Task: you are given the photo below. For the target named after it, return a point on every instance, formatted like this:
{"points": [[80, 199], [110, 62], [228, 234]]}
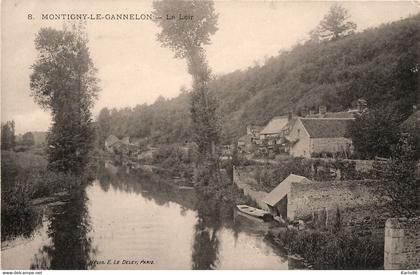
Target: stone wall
{"points": [[244, 180], [402, 244], [331, 145], [305, 199], [360, 165]]}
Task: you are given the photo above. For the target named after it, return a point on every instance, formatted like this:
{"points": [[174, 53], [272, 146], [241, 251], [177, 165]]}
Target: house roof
{"points": [[110, 140], [326, 127], [413, 121], [125, 140], [282, 189], [275, 126], [244, 138], [348, 114]]}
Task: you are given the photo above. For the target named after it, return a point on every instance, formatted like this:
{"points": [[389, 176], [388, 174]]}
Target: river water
{"points": [[128, 221]]}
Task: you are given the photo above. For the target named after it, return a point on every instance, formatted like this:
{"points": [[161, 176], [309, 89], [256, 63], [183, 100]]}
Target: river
{"points": [[126, 221]]}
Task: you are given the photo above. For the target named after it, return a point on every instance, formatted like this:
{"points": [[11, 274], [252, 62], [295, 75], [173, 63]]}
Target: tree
{"points": [[103, 126], [399, 180], [28, 139], [8, 135], [186, 39], [63, 81], [334, 25], [375, 132]]}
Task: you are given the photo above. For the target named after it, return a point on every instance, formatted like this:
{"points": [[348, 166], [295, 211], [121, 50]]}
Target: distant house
{"points": [[272, 137], [318, 136], [40, 138], [110, 142], [254, 131], [412, 122], [276, 200], [125, 140], [274, 128], [247, 143]]}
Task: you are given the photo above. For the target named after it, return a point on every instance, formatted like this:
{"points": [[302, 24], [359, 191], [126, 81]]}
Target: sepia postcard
{"points": [[210, 135]]}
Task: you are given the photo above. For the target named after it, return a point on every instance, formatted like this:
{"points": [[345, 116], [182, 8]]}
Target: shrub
{"points": [[24, 177], [17, 215], [342, 250]]}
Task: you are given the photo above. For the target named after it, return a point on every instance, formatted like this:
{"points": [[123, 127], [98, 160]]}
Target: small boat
{"points": [[255, 212]]}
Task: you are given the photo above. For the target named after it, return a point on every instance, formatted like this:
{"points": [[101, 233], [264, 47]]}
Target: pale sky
{"points": [[134, 69]]}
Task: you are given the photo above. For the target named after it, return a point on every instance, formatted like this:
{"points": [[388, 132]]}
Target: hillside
{"points": [[380, 65]]}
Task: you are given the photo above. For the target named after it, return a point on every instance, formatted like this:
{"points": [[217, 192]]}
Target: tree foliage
{"points": [[63, 81], [400, 181], [374, 132], [8, 135], [380, 65], [334, 25], [28, 139], [186, 39]]}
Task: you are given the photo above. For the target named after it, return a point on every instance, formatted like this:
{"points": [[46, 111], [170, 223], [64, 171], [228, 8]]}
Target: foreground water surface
{"points": [[126, 221]]}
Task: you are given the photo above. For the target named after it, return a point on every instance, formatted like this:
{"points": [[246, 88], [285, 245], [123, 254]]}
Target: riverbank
{"points": [[331, 249], [355, 232], [26, 184]]}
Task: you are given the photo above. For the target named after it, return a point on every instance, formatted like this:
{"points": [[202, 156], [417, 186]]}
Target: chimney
{"points": [[311, 112], [290, 116], [322, 109]]}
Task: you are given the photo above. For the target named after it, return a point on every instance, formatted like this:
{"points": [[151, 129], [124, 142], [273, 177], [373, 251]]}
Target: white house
{"points": [[317, 136]]}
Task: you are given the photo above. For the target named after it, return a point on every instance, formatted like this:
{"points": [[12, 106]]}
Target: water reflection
{"points": [[205, 249], [137, 216], [70, 245]]}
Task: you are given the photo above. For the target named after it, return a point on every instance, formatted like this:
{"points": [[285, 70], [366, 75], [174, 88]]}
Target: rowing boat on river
{"points": [[255, 212]]}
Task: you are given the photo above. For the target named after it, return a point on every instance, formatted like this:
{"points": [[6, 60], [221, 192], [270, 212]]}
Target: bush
{"points": [[17, 215], [24, 177], [327, 250], [174, 161]]}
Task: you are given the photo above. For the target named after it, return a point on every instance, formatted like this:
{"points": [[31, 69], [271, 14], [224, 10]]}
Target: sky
{"points": [[132, 66]]}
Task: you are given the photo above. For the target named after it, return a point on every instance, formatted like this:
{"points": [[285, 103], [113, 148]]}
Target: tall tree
{"points": [[399, 180], [103, 126], [187, 38], [63, 81], [8, 135], [334, 25]]}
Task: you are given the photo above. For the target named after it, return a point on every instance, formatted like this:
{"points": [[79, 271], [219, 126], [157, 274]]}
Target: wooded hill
{"points": [[380, 65]]}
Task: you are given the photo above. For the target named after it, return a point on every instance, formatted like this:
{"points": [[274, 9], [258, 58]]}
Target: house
{"points": [[272, 137], [110, 142], [274, 128], [254, 132], [125, 140], [276, 200], [248, 142], [40, 138], [322, 111], [319, 136], [412, 122]]}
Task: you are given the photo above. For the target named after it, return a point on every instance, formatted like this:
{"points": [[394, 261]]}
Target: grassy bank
{"points": [[344, 249], [24, 177]]}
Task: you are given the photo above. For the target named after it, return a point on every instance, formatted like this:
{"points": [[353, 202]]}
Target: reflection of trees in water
{"points": [[147, 185], [68, 231], [205, 254], [212, 213]]}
